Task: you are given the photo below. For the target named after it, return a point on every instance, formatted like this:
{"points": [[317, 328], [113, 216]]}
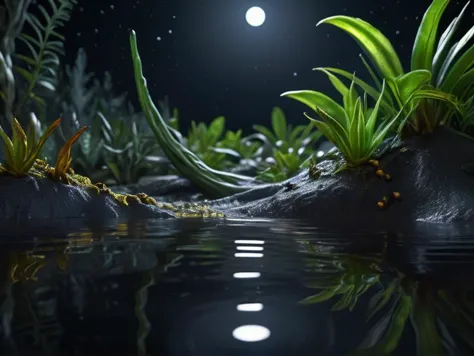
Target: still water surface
{"points": [[237, 287]]}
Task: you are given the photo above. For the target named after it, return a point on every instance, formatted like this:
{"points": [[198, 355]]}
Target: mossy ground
{"points": [[42, 170]]}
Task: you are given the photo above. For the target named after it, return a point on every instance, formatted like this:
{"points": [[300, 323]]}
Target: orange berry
{"points": [[396, 195], [379, 172]]}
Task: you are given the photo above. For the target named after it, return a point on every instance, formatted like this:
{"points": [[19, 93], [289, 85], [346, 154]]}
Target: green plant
{"points": [[39, 69], [353, 127], [205, 142], [213, 182], [282, 166], [443, 77], [291, 147], [12, 17], [286, 137], [246, 147], [400, 302], [22, 150], [129, 153]]}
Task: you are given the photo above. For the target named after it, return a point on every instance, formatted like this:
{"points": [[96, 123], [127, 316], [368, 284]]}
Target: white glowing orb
{"points": [[255, 16], [251, 333]]}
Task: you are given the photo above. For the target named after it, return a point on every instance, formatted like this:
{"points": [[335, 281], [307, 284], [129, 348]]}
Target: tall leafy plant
{"points": [[45, 44], [353, 127], [440, 71]]}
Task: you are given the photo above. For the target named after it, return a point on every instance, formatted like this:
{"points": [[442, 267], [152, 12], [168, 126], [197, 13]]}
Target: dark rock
{"points": [[32, 199], [426, 171], [170, 186]]}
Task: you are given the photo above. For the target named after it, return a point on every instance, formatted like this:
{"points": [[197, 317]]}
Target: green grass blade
{"points": [[334, 131], [386, 103], [279, 124], [315, 100], [336, 82], [354, 134], [444, 42], [424, 47], [369, 128], [375, 44], [374, 76], [449, 75], [464, 84]]}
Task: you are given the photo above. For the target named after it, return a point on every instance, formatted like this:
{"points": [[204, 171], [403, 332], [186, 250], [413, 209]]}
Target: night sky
{"points": [[204, 56]]}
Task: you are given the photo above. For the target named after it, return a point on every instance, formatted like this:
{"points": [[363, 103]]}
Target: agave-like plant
{"points": [[214, 182], [352, 128], [444, 72], [22, 150]]}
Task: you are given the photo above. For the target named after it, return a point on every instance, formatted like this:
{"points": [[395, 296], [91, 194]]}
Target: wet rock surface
{"points": [[431, 174], [427, 172], [29, 198]]}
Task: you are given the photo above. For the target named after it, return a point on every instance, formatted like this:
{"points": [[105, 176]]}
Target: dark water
{"points": [[192, 287]]}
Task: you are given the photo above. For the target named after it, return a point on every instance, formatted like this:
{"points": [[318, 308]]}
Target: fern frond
{"points": [[45, 46]]}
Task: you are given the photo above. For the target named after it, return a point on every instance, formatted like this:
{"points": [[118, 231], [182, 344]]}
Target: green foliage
{"points": [[213, 182], [399, 302], [285, 137], [22, 150], [129, 153], [204, 141], [441, 76], [247, 148], [352, 128], [282, 167], [291, 147], [45, 45]]}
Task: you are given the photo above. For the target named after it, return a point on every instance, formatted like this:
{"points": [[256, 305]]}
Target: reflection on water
{"points": [[236, 287]]}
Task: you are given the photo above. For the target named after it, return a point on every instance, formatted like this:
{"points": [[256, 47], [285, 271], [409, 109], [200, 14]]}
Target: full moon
{"points": [[255, 16]]}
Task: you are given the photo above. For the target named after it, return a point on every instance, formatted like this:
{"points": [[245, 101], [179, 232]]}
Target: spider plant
{"points": [[22, 150], [352, 128], [441, 69]]}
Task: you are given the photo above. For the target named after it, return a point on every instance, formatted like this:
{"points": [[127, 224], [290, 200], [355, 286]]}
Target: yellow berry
{"points": [[374, 162], [379, 172], [388, 177], [380, 204], [396, 195]]}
